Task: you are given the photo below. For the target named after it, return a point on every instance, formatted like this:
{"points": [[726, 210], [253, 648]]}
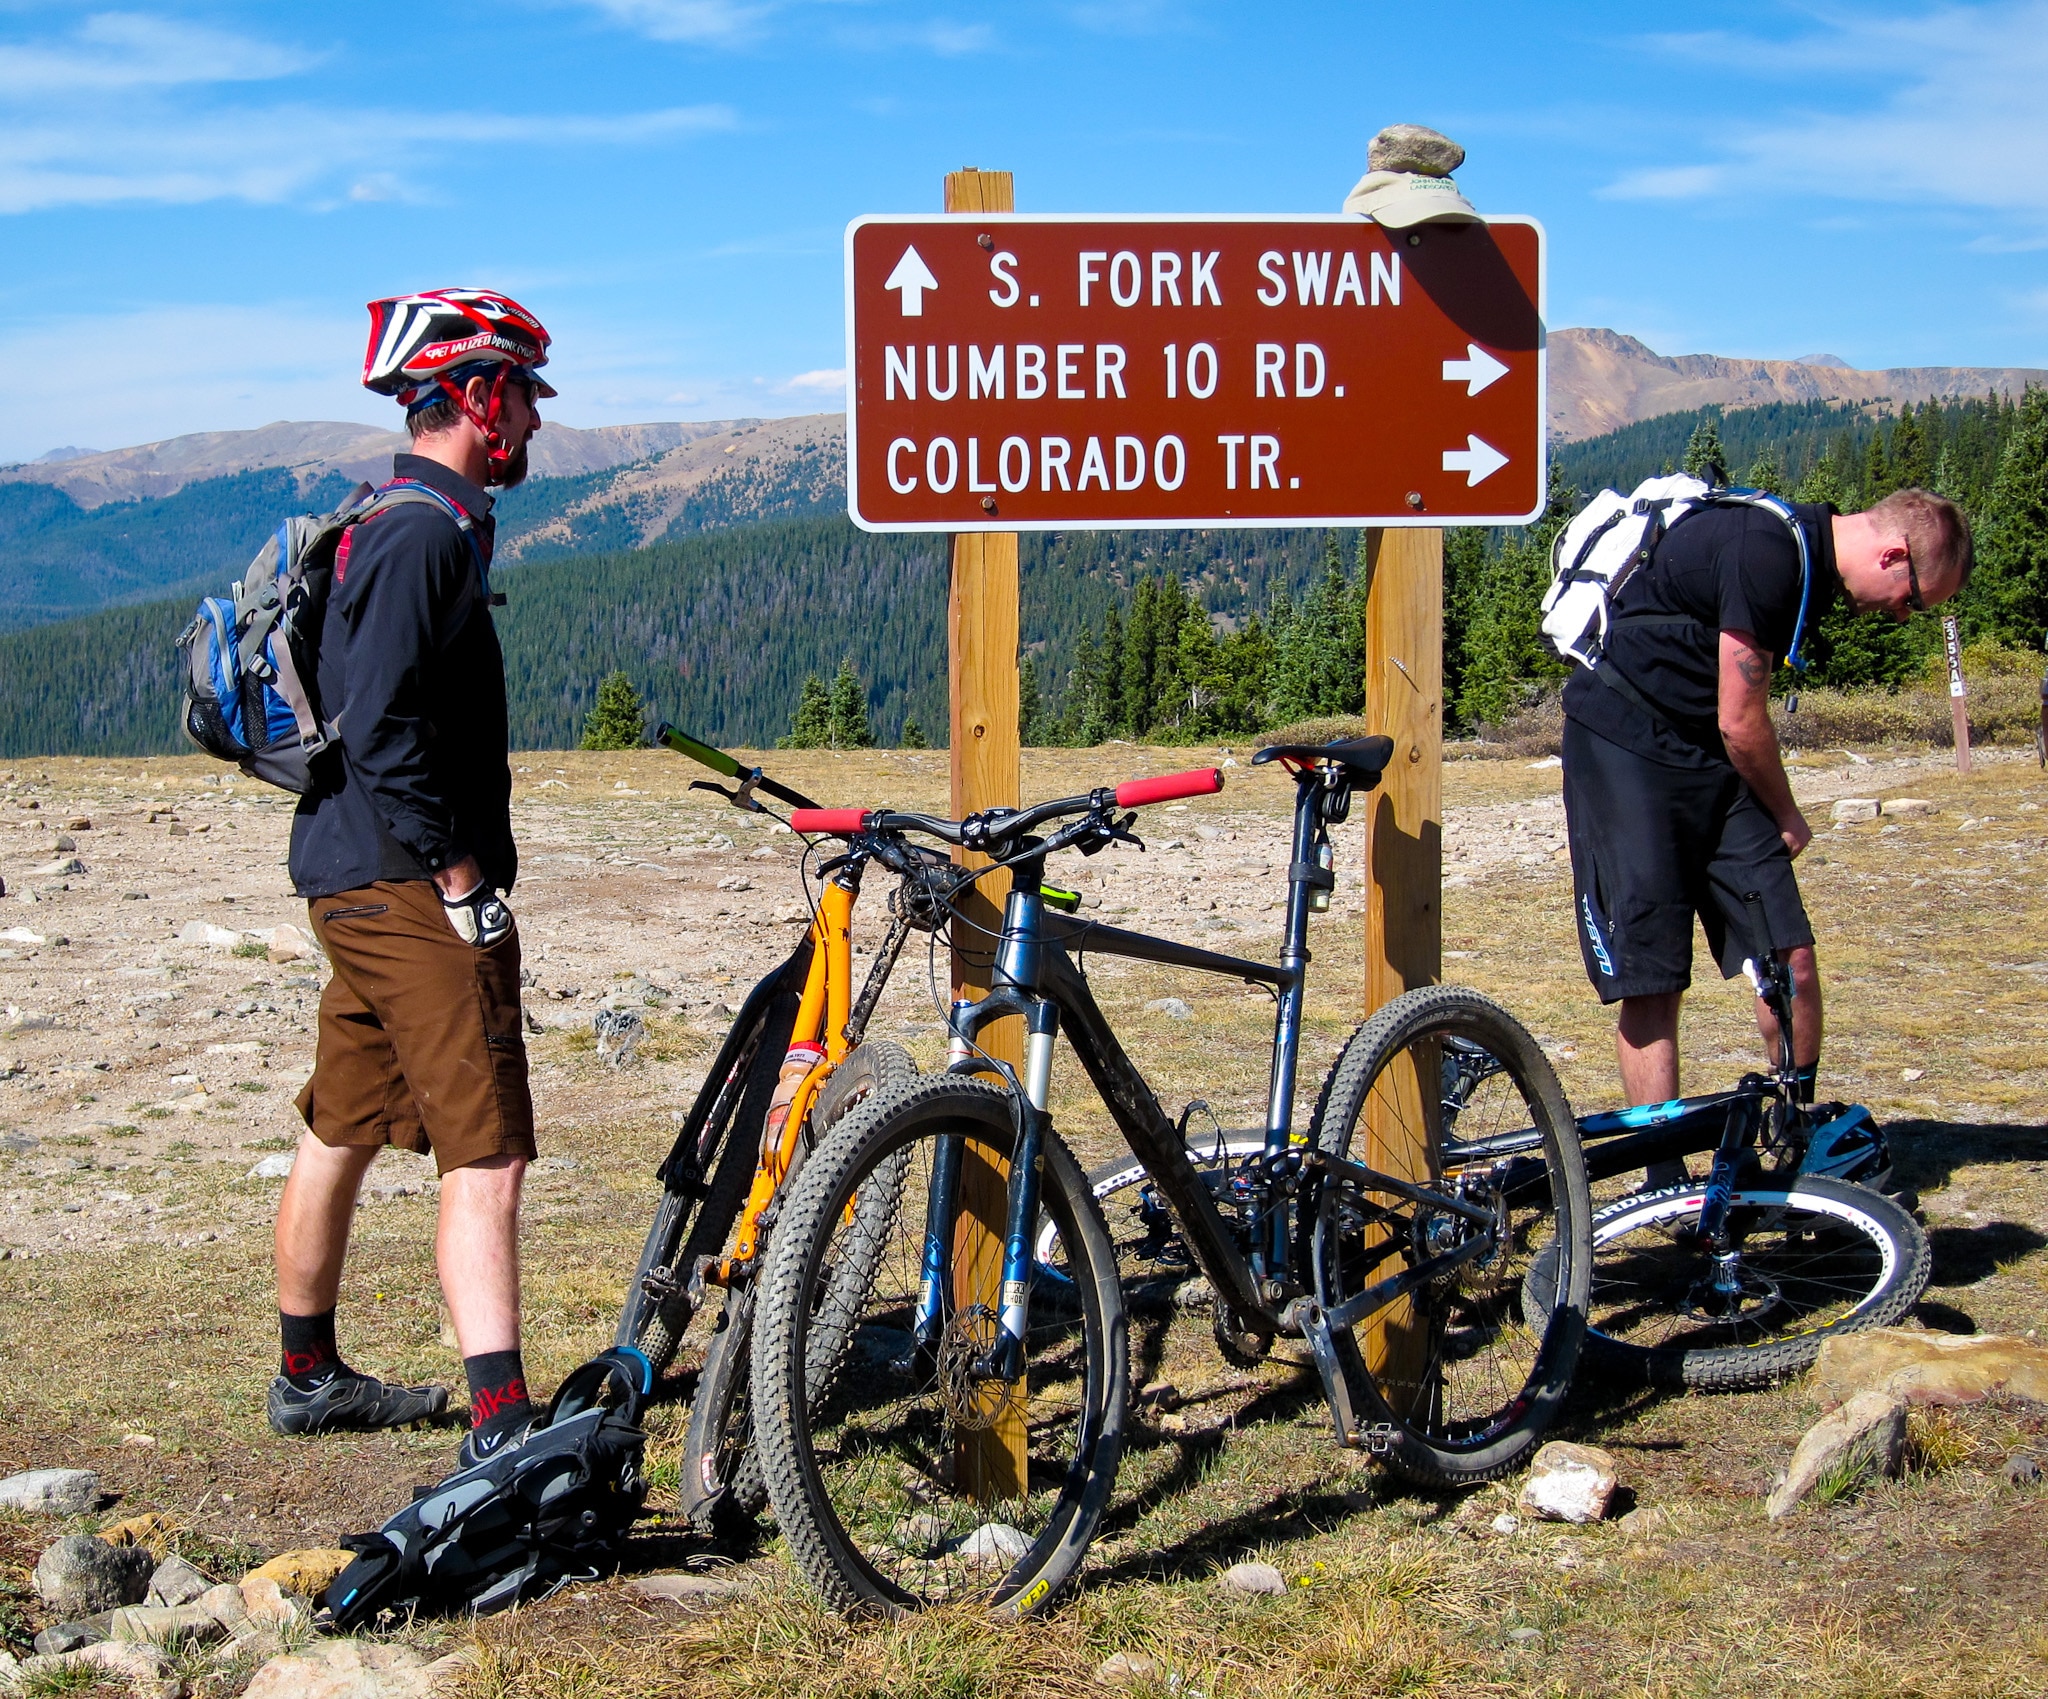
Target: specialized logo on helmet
{"points": [[1600, 955], [415, 340]]}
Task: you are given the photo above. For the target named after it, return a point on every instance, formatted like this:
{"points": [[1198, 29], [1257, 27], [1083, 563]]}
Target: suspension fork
{"points": [[1737, 1134]]}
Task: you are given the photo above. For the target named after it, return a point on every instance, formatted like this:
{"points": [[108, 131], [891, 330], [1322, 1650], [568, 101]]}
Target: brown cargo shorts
{"points": [[419, 1042]]}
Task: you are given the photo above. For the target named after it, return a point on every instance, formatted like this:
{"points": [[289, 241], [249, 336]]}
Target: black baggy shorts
{"points": [[1652, 846]]}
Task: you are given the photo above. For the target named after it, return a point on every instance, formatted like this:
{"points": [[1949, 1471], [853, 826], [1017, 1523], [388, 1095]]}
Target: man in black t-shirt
{"points": [[1675, 798]]}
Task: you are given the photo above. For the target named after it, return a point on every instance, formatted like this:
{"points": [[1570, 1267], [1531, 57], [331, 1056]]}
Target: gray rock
{"points": [[80, 1575], [175, 1582], [920, 1535], [58, 869], [1130, 1669], [1415, 148], [50, 1492], [69, 1636], [1171, 1007], [1871, 1428], [358, 1669], [995, 1542], [1852, 808], [2022, 1471], [618, 1033], [685, 1589], [1254, 1578], [1525, 1636], [160, 1625], [274, 1167]]}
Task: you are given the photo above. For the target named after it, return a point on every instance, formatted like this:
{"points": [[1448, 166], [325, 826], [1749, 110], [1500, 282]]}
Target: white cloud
{"points": [[1676, 183], [282, 153], [117, 51], [1954, 121], [718, 21], [828, 381]]}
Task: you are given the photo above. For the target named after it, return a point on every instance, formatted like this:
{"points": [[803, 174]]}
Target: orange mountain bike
{"points": [[795, 1061]]}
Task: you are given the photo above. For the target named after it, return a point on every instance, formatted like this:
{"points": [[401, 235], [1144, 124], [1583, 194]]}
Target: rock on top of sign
{"points": [[1414, 148]]}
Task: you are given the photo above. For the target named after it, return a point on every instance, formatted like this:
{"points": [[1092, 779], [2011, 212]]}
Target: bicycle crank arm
{"points": [[1309, 1319]]}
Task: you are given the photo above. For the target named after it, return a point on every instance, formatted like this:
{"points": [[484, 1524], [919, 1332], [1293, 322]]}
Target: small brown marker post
{"points": [[1958, 696]]}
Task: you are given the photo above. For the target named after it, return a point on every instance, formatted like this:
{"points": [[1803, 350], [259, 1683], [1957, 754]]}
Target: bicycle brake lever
{"points": [[743, 797]]}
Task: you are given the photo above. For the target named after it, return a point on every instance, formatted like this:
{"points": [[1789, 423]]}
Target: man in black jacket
{"points": [[1675, 799], [402, 849]]}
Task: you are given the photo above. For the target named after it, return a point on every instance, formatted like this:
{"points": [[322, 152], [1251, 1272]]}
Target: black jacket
{"points": [[412, 677]]}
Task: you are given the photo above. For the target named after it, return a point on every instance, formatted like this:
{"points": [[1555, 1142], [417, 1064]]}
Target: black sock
{"points": [[497, 1390], [1807, 1077], [310, 1357]]}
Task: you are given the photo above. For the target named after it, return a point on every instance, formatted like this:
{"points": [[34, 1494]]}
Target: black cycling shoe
{"points": [[480, 1445], [351, 1403]]}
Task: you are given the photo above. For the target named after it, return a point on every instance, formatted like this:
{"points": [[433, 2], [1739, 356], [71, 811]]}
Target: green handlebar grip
{"points": [[684, 744], [1067, 902]]}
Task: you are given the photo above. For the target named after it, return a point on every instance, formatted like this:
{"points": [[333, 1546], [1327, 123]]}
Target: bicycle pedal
{"points": [[1377, 1439]]}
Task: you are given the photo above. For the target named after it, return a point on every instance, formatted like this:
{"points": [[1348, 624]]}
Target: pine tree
{"points": [[618, 720], [1031, 716], [1878, 481], [1704, 455], [1464, 567], [1765, 473], [1504, 662], [1910, 466], [1823, 483], [913, 734], [811, 726], [847, 711], [2008, 597]]}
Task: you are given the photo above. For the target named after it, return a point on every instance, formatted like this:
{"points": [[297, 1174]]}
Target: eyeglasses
{"points": [[1914, 599]]}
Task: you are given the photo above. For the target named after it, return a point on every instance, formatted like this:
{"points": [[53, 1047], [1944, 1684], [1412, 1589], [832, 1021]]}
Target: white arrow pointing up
{"points": [[1477, 460], [913, 277], [1475, 371]]}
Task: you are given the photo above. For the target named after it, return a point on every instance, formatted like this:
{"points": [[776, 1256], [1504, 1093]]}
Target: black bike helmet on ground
{"points": [[425, 348]]}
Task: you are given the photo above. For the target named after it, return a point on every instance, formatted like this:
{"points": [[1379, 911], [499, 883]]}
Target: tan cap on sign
{"points": [[1398, 199]]}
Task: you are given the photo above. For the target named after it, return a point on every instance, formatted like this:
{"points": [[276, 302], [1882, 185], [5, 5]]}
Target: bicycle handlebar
{"points": [[751, 778], [1201, 781], [835, 822], [998, 826]]}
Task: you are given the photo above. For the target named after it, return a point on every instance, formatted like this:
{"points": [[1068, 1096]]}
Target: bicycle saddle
{"points": [[1366, 757]]}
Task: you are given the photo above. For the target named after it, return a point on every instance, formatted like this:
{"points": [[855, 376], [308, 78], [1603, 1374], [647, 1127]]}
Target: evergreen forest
{"points": [[1183, 636]]}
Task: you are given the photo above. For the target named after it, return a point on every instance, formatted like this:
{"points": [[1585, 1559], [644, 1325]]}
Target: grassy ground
{"points": [[145, 1358]]}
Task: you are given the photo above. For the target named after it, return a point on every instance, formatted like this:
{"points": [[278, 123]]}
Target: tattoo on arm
{"points": [[1755, 669]]}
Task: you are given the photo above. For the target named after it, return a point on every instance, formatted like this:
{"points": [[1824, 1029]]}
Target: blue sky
{"points": [[195, 200]]}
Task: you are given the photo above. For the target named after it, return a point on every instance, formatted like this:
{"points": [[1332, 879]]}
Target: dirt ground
{"points": [[145, 1072]]}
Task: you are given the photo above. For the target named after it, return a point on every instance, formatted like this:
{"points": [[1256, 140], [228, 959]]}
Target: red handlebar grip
{"points": [[840, 822], [1135, 793]]}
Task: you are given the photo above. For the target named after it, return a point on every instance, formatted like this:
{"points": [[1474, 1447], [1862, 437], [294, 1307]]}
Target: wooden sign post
{"points": [[982, 677], [1404, 689]]}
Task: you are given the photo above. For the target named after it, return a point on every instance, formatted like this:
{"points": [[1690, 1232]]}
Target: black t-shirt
{"points": [[1721, 569]]}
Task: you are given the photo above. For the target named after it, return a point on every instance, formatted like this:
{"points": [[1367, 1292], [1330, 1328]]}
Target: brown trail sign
{"points": [[1015, 372]]}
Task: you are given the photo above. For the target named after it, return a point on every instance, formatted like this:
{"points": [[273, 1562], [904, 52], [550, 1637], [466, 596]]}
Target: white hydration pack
{"points": [[1614, 534]]}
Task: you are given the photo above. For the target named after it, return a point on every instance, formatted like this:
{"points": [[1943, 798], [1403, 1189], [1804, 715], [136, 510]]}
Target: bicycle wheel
{"points": [[1817, 1257], [686, 1228], [722, 1490], [1458, 1382], [900, 1486]]}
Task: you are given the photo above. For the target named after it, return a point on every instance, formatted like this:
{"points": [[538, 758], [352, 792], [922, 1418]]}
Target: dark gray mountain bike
{"points": [[970, 1445]]}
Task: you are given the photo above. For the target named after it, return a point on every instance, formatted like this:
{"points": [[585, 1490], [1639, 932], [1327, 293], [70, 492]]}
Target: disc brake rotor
{"points": [[975, 1401]]}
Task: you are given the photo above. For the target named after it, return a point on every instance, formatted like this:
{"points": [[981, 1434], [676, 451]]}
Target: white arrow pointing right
{"points": [[913, 277], [1475, 371], [1477, 460]]}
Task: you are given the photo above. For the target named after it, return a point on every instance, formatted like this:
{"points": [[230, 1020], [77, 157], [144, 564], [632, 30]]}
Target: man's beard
{"points": [[511, 470]]}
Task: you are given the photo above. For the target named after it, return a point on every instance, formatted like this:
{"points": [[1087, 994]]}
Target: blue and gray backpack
{"points": [[250, 659]]}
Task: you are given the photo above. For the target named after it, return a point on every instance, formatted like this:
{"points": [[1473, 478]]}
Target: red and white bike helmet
{"points": [[425, 348]]}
